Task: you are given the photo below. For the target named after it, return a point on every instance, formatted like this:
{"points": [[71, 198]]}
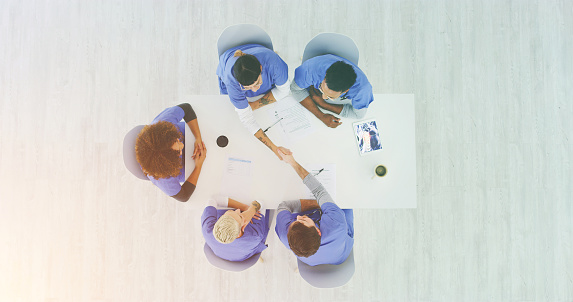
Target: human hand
{"points": [[288, 158], [202, 154], [282, 150], [257, 216], [330, 120], [199, 146]]}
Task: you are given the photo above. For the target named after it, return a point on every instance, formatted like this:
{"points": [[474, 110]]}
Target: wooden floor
{"points": [[493, 82]]}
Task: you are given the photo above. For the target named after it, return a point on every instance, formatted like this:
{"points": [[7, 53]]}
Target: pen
{"points": [[273, 124], [319, 172]]}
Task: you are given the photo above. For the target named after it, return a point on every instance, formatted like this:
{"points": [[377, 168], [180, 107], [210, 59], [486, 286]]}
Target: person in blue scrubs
{"points": [[253, 76], [334, 84], [160, 151], [317, 231], [233, 234]]}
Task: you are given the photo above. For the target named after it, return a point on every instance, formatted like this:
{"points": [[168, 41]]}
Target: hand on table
{"points": [[201, 154], [330, 120], [199, 146]]}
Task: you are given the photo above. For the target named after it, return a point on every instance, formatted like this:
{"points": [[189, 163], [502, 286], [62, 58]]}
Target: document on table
{"points": [[326, 175], [237, 179], [294, 119]]}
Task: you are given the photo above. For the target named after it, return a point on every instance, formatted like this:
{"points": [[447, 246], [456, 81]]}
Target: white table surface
{"points": [[275, 181]]}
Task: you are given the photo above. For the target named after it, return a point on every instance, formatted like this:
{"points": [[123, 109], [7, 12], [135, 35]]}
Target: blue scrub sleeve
{"points": [[208, 220]]}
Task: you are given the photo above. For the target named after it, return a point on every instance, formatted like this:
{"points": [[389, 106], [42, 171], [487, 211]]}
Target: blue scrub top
{"points": [[337, 235], [171, 186], [252, 242], [274, 73], [313, 71]]}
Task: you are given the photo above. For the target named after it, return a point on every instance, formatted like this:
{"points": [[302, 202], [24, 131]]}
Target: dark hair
{"points": [[153, 150], [303, 241], [247, 68], [340, 76]]}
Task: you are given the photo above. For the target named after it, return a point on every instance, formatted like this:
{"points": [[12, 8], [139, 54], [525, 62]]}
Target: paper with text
{"points": [[237, 178], [295, 121], [326, 175]]}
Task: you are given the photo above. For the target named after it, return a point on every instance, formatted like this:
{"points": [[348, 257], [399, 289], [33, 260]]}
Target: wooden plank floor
{"points": [[493, 82]]}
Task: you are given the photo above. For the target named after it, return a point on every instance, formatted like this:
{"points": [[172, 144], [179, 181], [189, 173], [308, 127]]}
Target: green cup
{"points": [[380, 171]]}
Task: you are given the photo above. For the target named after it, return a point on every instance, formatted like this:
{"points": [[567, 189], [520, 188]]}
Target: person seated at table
{"points": [[160, 151], [231, 236], [333, 84], [248, 71], [316, 230]]}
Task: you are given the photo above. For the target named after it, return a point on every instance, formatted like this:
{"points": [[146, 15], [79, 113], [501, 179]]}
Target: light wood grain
{"points": [[493, 83]]}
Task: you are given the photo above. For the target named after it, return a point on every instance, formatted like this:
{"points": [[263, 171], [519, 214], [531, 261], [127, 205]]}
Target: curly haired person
{"points": [[160, 149]]}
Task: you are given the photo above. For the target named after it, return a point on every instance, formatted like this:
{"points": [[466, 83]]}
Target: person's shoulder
{"points": [[333, 211], [330, 206]]}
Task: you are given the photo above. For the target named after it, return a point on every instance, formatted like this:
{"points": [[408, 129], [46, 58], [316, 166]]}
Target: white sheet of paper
{"points": [[295, 121], [327, 178], [237, 178]]}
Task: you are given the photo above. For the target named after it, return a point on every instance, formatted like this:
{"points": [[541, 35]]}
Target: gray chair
{"points": [[241, 34], [129, 153], [332, 43], [233, 266], [328, 275]]}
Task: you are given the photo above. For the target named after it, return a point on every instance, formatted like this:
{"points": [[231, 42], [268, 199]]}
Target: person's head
{"points": [[247, 71], [303, 237], [229, 227], [339, 78], [157, 150]]}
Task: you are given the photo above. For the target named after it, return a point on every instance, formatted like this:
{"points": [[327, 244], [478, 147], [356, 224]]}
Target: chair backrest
{"points": [[332, 43], [234, 266], [129, 153], [328, 275], [241, 34]]}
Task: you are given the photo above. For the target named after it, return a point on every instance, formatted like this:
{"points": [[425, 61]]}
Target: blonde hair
{"points": [[226, 229], [239, 53]]}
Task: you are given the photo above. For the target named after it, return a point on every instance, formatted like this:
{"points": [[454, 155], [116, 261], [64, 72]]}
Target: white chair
{"points": [[332, 43], [328, 275], [241, 34], [234, 266], [129, 153]]}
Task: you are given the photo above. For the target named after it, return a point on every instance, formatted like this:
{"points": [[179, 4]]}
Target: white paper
{"points": [[327, 177], [237, 178], [294, 119]]}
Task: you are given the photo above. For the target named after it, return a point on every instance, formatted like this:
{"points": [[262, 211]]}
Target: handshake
{"points": [[285, 155]]}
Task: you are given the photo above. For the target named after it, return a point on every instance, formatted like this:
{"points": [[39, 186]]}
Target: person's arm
{"points": [[281, 91], [247, 118], [237, 205], [265, 100], [317, 190], [288, 158], [309, 180], [350, 112], [293, 206], [267, 141], [316, 96], [308, 204], [191, 120], [328, 119], [190, 184]]}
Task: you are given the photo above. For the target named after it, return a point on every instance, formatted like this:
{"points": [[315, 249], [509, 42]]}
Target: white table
{"points": [[275, 181]]}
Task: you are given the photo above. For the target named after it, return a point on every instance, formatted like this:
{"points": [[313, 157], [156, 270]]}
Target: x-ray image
{"points": [[367, 136]]}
